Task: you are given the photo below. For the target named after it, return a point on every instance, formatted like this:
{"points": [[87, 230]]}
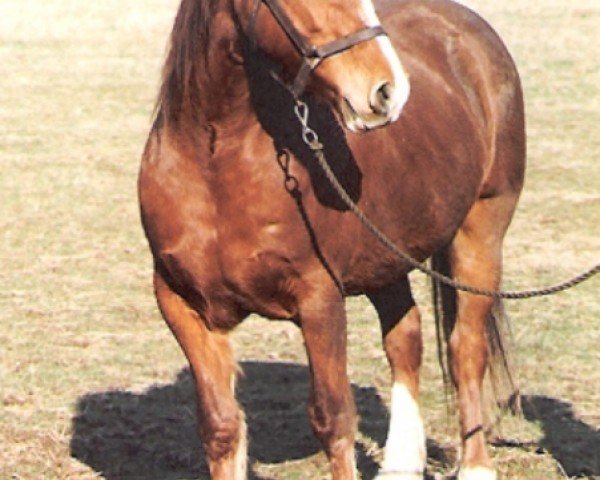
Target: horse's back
{"points": [[405, 19]]}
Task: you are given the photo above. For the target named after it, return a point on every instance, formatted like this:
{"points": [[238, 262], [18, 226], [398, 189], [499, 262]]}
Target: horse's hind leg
{"points": [[331, 406], [405, 452], [475, 257], [221, 422]]}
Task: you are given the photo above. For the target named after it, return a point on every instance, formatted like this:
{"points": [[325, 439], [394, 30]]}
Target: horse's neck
{"points": [[220, 111], [225, 96], [237, 99], [242, 100]]}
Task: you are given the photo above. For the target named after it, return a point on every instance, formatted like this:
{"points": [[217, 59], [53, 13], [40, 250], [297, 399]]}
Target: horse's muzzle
{"points": [[385, 102]]}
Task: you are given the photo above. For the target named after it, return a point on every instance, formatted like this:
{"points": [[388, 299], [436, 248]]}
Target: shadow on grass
{"points": [[152, 435], [573, 443]]}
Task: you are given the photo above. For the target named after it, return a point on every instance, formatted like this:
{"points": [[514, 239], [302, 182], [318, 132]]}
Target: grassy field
{"points": [[92, 385]]}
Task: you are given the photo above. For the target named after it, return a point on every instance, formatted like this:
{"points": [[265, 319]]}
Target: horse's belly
{"points": [[374, 265]]}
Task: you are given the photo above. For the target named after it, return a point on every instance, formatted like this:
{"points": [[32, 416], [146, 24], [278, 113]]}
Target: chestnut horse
{"points": [[240, 218]]}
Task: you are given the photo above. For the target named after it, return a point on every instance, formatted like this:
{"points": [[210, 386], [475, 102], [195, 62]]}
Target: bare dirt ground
{"points": [[92, 385]]}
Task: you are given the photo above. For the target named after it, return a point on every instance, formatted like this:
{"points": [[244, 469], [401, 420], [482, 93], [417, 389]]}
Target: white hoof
{"points": [[398, 476], [476, 473]]}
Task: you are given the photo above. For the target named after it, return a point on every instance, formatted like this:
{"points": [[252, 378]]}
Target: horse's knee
{"points": [[222, 434], [225, 444], [334, 424], [333, 419]]}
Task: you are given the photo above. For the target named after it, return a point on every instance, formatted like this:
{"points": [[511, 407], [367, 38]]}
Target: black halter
{"points": [[312, 55]]}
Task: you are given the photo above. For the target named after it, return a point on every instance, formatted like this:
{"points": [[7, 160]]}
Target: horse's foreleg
{"points": [[475, 258], [331, 406], [221, 422], [405, 452]]}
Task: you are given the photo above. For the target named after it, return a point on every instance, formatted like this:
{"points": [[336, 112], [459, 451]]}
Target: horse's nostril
{"points": [[385, 91], [381, 98]]}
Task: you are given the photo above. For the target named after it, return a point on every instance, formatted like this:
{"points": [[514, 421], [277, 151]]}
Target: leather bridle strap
{"points": [[312, 55]]}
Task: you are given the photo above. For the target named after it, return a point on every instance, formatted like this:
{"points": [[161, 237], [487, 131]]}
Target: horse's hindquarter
{"points": [[447, 46]]}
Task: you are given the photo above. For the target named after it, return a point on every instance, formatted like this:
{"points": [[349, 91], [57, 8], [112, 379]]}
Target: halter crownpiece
{"points": [[311, 55]]}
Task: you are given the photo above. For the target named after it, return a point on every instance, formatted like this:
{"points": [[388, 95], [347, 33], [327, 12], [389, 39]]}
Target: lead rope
{"points": [[311, 139]]}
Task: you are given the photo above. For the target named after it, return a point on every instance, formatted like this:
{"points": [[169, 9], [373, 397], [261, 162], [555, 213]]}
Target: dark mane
{"points": [[179, 91]]}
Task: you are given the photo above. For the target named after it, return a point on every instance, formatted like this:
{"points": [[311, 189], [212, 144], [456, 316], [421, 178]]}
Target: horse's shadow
{"points": [[573, 443], [152, 435]]}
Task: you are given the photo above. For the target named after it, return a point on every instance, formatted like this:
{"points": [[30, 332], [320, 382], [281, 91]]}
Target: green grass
{"points": [[89, 370]]}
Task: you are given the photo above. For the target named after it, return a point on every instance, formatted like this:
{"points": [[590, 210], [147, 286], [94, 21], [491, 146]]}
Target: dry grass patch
{"points": [[91, 381]]}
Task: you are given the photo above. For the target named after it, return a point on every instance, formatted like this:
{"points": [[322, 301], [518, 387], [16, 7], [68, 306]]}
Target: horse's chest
{"points": [[243, 255]]}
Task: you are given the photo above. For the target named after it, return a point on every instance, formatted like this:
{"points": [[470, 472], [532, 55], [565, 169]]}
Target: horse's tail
{"points": [[501, 380]]}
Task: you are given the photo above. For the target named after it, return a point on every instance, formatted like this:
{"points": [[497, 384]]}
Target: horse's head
{"points": [[359, 74]]}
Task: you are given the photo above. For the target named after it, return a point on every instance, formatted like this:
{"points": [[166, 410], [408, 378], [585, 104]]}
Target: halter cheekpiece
{"points": [[311, 55]]}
